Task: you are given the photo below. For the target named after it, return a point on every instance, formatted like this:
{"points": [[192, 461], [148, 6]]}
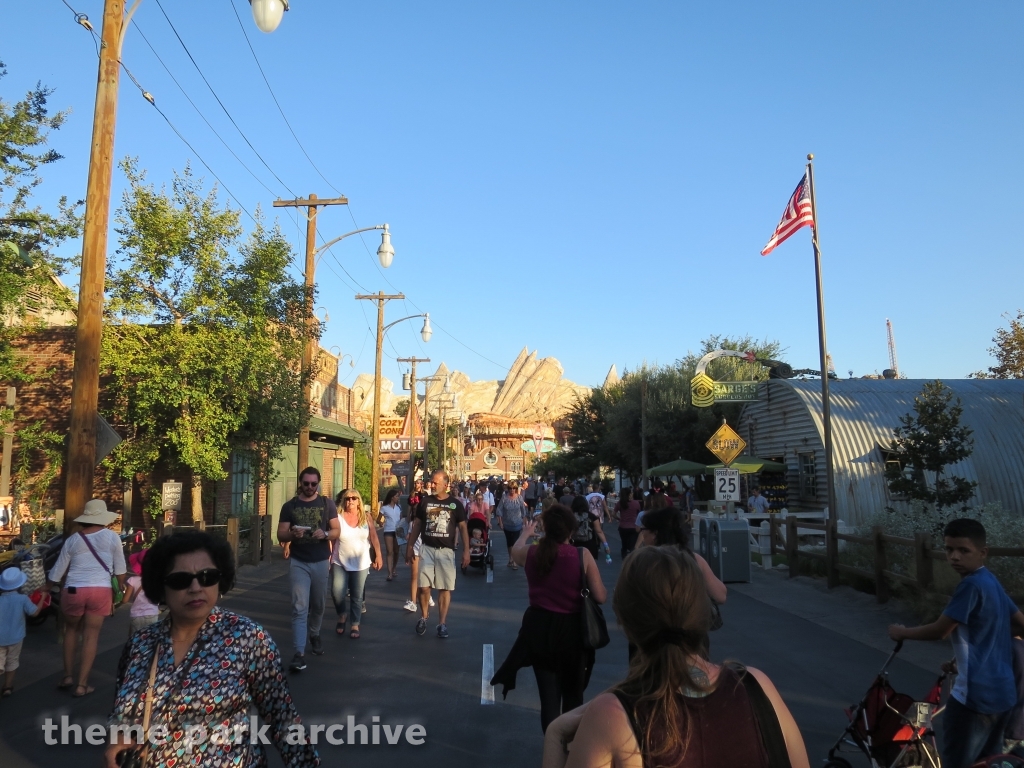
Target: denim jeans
{"points": [[309, 596], [968, 736], [350, 585]]}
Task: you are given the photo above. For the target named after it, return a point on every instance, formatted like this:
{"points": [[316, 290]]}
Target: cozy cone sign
{"points": [[395, 433]]}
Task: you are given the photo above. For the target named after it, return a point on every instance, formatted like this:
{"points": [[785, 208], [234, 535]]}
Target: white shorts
{"points": [[437, 568], [9, 656]]}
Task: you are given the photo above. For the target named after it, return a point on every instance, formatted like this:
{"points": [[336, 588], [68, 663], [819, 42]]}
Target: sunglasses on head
{"points": [[180, 580]]}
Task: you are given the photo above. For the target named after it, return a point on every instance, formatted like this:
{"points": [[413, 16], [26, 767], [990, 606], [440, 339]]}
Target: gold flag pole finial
{"points": [[810, 155]]}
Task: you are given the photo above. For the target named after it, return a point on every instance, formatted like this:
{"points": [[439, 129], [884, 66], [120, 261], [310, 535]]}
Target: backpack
{"points": [[584, 529], [595, 507]]}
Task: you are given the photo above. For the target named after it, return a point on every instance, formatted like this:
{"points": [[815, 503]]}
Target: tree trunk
{"points": [[197, 497]]}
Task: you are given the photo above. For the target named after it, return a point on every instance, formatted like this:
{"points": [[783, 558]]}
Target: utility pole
{"points": [[5, 468], [643, 431], [413, 406], [381, 299], [311, 203], [85, 389], [426, 421]]}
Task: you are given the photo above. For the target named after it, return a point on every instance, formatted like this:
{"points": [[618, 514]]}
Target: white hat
{"points": [[96, 513], [12, 578]]}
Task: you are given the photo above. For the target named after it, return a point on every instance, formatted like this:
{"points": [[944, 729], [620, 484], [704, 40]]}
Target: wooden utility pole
{"points": [[85, 389], [381, 299], [5, 468], [414, 406], [311, 203]]}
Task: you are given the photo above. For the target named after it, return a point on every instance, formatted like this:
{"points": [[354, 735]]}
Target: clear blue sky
{"points": [[595, 180]]}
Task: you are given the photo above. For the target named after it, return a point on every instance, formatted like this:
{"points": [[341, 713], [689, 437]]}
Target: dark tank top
{"points": [[721, 729]]}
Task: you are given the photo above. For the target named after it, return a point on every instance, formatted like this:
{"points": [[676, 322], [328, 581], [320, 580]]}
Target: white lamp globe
{"points": [[385, 253], [427, 331], [268, 13]]}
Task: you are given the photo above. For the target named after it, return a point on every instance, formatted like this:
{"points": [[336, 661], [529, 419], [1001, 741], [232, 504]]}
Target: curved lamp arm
{"points": [[385, 252], [426, 332]]}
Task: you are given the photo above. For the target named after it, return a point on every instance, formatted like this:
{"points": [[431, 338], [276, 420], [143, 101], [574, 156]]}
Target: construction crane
{"points": [[893, 372]]}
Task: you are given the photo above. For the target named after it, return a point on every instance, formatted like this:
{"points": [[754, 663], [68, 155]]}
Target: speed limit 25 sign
{"points": [[727, 485]]}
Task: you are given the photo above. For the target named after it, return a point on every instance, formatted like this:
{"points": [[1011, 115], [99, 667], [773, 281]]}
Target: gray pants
{"points": [[309, 596]]}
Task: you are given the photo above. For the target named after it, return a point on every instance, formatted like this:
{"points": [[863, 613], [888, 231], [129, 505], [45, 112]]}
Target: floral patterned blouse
{"points": [[233, 666]]}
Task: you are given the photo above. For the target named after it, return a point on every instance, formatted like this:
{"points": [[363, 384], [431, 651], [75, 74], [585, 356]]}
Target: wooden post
{"points": [[831, 552], [881, 584], [255, 531], [773, 535], [233, 537], [268, 542], [200, 525], [922, 559], [25, 533], [792, 544], [5, 468]]}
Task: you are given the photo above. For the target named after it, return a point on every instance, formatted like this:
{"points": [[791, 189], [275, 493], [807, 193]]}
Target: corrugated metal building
{"points": [[785, 424]]}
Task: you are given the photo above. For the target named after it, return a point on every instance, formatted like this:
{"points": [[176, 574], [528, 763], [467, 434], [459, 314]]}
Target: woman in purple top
{"points": [[551, 637], [628, 509]]}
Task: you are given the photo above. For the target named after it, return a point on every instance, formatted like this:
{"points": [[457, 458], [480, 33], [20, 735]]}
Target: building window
{"points": [[242, 495], [469, 466], [516, 466], [808, 476], [339, 475]]}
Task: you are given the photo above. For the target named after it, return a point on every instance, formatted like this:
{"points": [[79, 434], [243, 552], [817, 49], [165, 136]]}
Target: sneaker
{"points": [[442, 631], [315, 645], [421, 627], [432, 603], [365, 608], [298, 663], [410, 606]]}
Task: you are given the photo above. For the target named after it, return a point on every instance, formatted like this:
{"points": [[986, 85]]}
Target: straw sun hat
{"points": [[96, 513]]}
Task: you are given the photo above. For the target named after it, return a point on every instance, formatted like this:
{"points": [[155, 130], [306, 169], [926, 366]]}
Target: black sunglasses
{"points": [[314, 484], [180, 580]]}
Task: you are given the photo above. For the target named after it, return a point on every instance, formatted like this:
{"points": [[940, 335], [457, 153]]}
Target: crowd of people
{"points": [[676, 707]]}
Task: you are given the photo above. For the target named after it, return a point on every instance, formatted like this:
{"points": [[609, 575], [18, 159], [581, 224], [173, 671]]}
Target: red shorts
{"points": [[87, 601]]}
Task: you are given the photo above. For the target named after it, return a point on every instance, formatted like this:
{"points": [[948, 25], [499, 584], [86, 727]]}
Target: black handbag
{"points": [[595, 628], [716, 616]]}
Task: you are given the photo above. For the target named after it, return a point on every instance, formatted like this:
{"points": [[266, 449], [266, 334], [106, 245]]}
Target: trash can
{"points": [[729, 549]]}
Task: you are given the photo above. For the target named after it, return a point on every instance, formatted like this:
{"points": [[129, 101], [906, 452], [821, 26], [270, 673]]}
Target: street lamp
{"points": [[268, 13], [426, 332]]}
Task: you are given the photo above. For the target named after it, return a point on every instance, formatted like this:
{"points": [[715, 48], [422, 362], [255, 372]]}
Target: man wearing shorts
{"points": [[437, 518]]}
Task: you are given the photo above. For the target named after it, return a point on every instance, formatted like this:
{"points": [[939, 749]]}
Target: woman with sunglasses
{"points": [[391, 510], [351, 562], [202, 665]]}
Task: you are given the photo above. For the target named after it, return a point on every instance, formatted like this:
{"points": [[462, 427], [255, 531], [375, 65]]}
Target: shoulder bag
{"points": [[595, 628], [767, 723], [137, 757], [115, 585]]}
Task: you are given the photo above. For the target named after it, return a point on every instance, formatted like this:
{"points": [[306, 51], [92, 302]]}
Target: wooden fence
{"points": [[883, 578], [251, 545]]}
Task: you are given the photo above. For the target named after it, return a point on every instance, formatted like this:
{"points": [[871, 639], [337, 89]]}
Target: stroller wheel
{"points": [[837, 762]]}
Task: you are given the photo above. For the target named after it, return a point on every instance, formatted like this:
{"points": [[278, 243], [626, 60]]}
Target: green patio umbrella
{"points": [[677, 467], [751, 465]]}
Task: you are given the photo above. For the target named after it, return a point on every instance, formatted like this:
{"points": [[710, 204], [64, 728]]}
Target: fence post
{"points": [[268, 542], [792, 551], [773, 528], [831, 553], [233, 537], [255, 535], [881, 584], [200, 525], [922, 556], [764, 543]]}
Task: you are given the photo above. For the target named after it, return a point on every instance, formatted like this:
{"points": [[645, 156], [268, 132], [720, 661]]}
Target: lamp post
{"points": [[381, 298]]}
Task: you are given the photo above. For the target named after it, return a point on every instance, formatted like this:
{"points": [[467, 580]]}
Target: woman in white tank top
{"points": [[350, 560]]}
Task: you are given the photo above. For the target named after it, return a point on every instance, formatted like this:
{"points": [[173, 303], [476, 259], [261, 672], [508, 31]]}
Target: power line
{"points": [[221, 103]]}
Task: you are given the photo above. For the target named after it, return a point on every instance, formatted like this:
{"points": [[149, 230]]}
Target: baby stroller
{"points": [[891, 729], [479, 549]]}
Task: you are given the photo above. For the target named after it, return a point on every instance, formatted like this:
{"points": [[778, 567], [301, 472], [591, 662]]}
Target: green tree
{"points": [[204, 335], [929, 440], [362, 465], [1008, 352]]}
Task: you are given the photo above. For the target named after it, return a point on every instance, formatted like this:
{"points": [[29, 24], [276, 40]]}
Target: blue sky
{"points": [[595, 180]]}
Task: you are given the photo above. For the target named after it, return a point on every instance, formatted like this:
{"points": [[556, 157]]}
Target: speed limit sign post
{"points": [[727, 485]]}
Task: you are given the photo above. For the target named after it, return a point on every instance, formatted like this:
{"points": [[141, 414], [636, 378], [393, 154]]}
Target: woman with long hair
{"points": [[391, 510], [627, 510], [666, 527], [350, 561], [676, 708], [588, 533], [551, 636], [479, 507], [511, 512]]}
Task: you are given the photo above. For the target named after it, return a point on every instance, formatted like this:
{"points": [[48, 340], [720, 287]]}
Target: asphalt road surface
{"points": [[405, 679]]}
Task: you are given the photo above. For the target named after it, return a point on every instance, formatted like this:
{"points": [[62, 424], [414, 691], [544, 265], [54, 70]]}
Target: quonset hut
{"points": [[785, 425]]}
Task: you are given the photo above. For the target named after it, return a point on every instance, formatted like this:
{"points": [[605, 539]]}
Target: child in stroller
{"points": [[479, 542]]}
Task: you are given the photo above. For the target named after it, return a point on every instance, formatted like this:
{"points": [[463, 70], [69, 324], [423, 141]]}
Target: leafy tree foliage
{"points": [[1008, 352], [204, 335], [605, 426], [928, 441]]}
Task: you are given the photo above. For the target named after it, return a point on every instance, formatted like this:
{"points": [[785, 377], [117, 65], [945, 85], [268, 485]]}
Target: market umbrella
{"points": [[751, 465], [677, 467]]}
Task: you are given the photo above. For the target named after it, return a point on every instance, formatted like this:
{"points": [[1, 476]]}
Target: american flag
{"points": [[797, 214]]}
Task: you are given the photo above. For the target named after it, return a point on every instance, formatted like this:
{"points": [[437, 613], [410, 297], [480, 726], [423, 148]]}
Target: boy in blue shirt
{"points": [[14, 607], [982, 620]]}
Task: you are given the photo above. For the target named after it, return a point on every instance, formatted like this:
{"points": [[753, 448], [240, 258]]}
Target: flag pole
{"points": [[831, 544]]}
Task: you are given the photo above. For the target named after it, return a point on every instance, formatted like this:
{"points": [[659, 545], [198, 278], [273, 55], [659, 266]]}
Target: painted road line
{"points": [[490, 575], [486, 689]]}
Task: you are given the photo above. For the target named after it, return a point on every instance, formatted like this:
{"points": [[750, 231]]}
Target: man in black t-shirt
{"points": [[310, 522], [437, 518]]}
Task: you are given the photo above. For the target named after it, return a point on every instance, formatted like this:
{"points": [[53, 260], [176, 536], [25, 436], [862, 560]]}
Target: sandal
{"points": [[354, 634], [85, 691], [390, 577], [6, 692], [340, 627], [67, 682]]}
